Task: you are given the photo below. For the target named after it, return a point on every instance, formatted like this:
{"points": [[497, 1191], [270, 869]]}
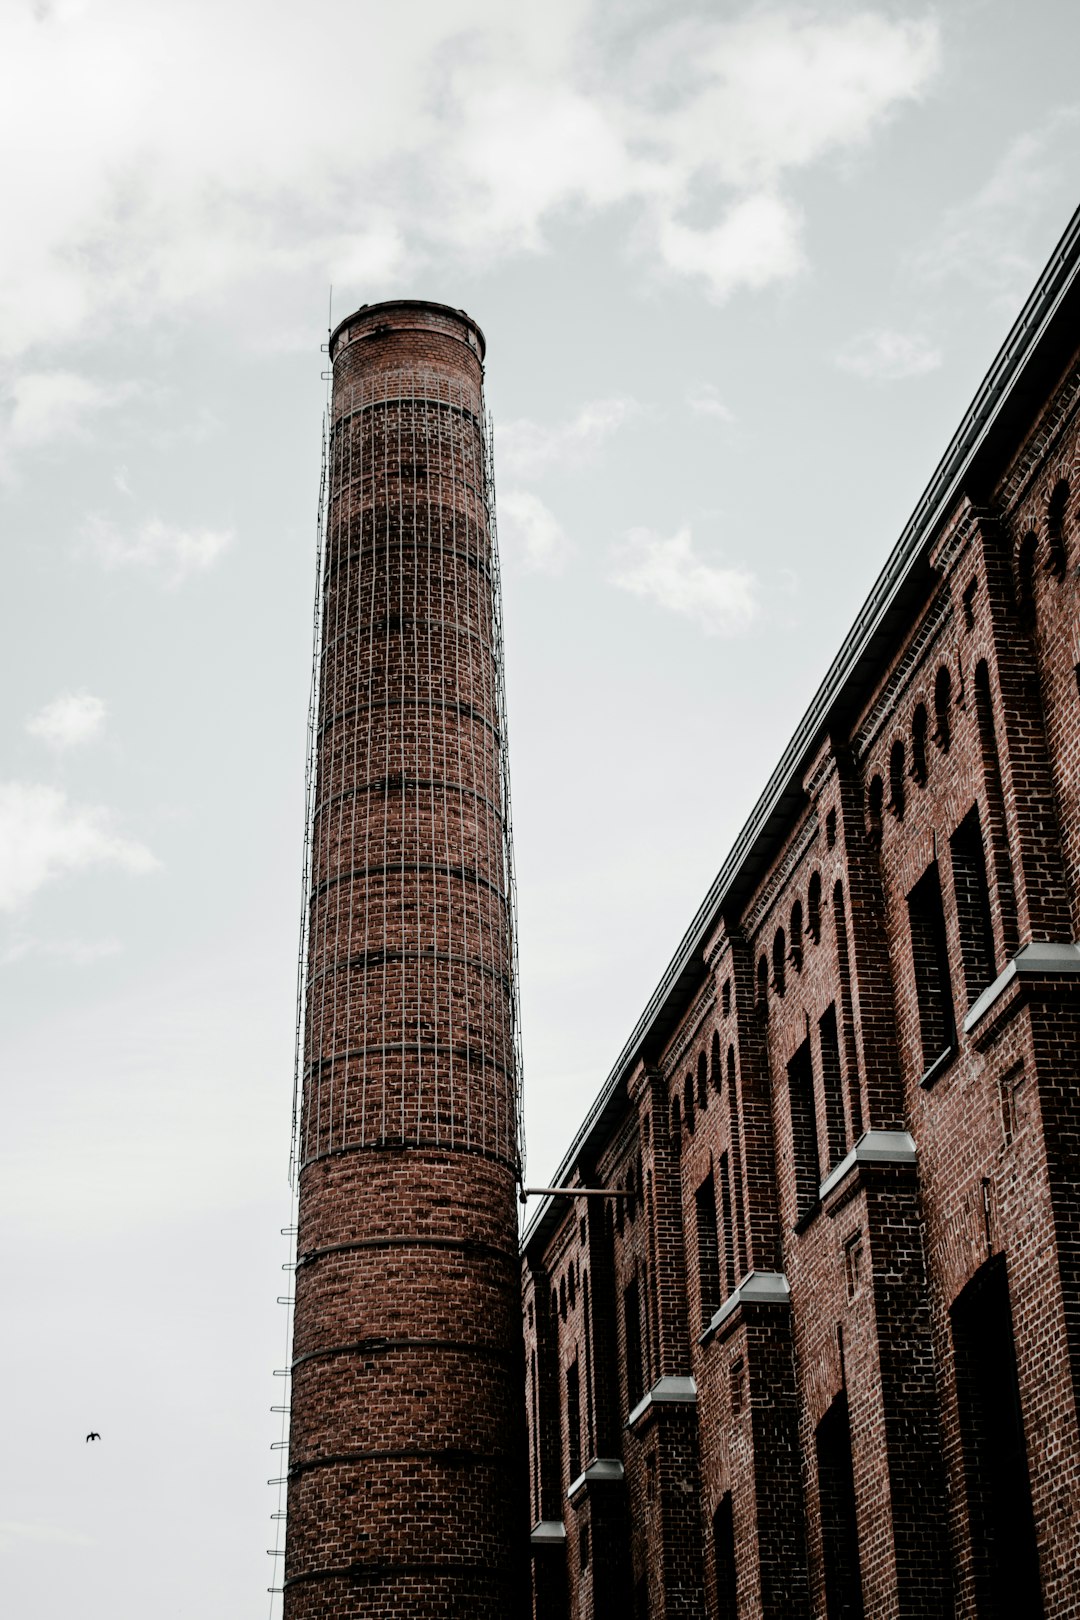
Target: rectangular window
{"points": [[724, 1554], [632, 1326], [804, 1137], [930, 959], [731, 1269], [832, 1084], [972, 904], [1001, 1520], [708, 1248], [839, 1527], [573, 1420]]}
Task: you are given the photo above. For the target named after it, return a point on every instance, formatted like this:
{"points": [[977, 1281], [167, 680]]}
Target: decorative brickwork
{"points": [[837, 1340], [406, 1477]]}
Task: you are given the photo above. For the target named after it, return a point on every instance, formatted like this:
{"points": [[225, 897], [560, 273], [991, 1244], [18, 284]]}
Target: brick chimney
{"points": [[407, 1461]]}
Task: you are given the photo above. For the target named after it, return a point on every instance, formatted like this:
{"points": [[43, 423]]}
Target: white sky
{"points": [[740, 269]]}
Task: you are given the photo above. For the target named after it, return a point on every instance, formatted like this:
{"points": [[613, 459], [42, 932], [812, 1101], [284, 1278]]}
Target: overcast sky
{"points": [[740, 270]]}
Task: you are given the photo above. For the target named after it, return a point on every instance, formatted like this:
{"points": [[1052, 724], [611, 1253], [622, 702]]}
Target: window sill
{"points": [[938, 1067]]}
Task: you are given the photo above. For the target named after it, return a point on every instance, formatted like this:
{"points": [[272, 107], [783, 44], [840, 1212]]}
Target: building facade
{"points": [[406, 1461], [809, 1344]]}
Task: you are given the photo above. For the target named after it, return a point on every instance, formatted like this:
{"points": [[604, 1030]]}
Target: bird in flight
{"points": [[93, 1435]]}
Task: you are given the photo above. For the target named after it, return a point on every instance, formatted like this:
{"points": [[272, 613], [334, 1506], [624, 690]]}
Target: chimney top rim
{"points": [[369, 312]]}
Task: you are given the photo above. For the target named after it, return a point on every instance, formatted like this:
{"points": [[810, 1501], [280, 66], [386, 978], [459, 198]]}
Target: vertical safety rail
{"points": [[510, 874], [280, 1447]]}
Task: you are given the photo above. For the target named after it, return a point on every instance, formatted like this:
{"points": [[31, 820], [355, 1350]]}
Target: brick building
{"points": [[820, 1353]]}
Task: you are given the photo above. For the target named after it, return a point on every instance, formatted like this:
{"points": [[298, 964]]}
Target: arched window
{"points": [[688, 1102], [1055, 528], [779, 954], [762, 983], [920, 725], [1025, 577], [875, 799], [896, 780], [942, 705], [795, 949], [813, 907], [717, 1070], [702, 1081]]}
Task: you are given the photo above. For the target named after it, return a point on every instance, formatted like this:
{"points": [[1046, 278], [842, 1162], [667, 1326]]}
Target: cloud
{"points": [[705, 401], [43, 1534], [984, 240], [51, 404], [669, 572], [156, 546], [220, 146], [525, 449], [69, 720], [43, 836], [888, 355], [533, 531], [80, 952], [757, 242]]}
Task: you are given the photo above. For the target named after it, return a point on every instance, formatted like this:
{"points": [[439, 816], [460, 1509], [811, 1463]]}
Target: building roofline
{"points": [[1009, 394]]}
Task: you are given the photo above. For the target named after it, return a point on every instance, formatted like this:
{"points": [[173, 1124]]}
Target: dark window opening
{"points": [[970, 592], [839, 1522], [813, 907], [875, 800], [573, 1421], [715, 1064], [688, 1103], [845, 1019], [933, 986], [795, 949], [997, 837], [739, 1246], [727, 1215], [972, 894], [832, 1084], [779, 957], [897, 789], [920, 726], [1002, 1524], [635, 1373], [804, 1137], [830, 830], [534, 1435], [1055, 528], [702, 1081], [1025, 578], [723, 1530], [725, 998], [708, 1244], [942, 705]]}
